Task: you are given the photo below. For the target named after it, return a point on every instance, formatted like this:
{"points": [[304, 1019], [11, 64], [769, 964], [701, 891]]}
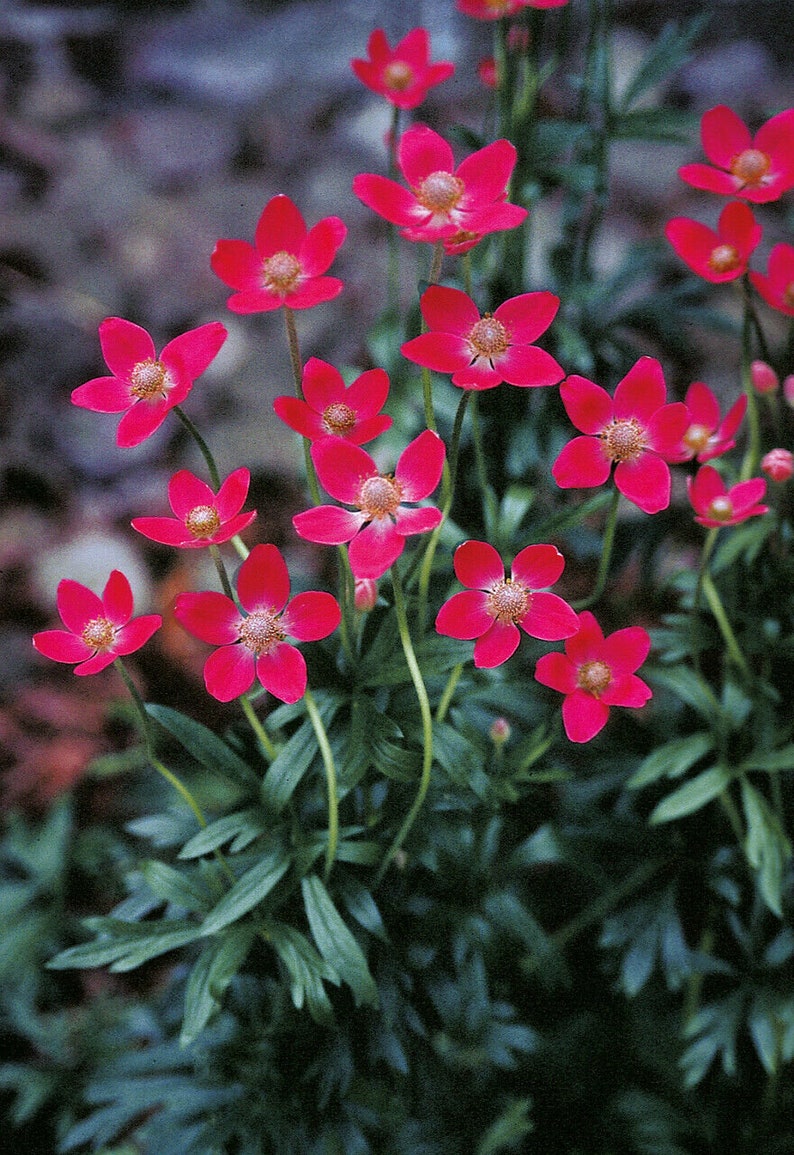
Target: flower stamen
{"points": [[750, 167], [488, 338], [339, 419], [260, 632], [624, 440], [593, 677], [281, 272], [148, 379], [721, 508], [379, 497], [203, 521], [724, 259], [440, 192], [398, 75], [508, 601], [697, 438], [99, 633]]}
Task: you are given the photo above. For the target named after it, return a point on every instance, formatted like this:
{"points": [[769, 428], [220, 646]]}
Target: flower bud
{"points": [[486, 70], [763, 377], [500, 731], [366, 595], [788, 389], [778, 464]]}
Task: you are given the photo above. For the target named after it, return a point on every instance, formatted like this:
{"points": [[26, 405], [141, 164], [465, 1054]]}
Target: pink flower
{"points": [[286, 263], [595, 673], [331, 410], [202, 517], [637, 431], [493, 606], [481, 352], [716, 506], [778, 464], [402, 74], [763, 377], [716, 256], [98, 630], [380, 523], [444, 202], [707, 436], [144, 386], [777, 286], [254, 643], [758, 169], [495, 9]]}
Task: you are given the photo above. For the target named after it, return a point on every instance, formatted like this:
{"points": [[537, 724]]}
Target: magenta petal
{"points": [[322, 385], [723, 135], [587, 404], [367, 395], [263, 581], [229, 672], [538, 566], [626, 649], [581, 464], [556, 671], [117, 598], [528, 366], [141, 421], [588, 644], [321, 246], [192, 352], [280, 228], [375, 549], [465, 615], [238, 264], [480, 375], [77, 605], [254, 301], [166, 531], [708, 179], [186, 491], [646, 482], [300, 417], [665, 429], [746, 494], [528, 315], [583, 716], [124, 345], [486, 172], [327, 524], [342, 467], [422, 151], [103, 395], [703, 405], [449, 310], [136, 633], [389, 199], [208, 615], [496, 645], [420, 466], [232, 494], [61, 646], [311, 615], [283, 672], [421, 520], [100, 661], [369, 429], [478, 565], [641, 392], [315, 291], [441, 352], [627, 690], [549, 618]]}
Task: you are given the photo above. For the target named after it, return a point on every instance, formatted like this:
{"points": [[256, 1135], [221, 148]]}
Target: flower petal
{"points": [[186, 491], [528, 315], [478, 565], [645, 482], [328, 524], [61, 646], [77, 605], [263, 581], [103, 395], [283, 672], [420, 466], [642, 391], [421, 520], [311, 615], [464, 615], [723, 135], [582, 463], [375, 549], [422, 151], [583, 716], [441, 352], [342, 467], [208, 615], [538, 566], [192, 352], [238, 264], [280, 228], [495, 646], [528, 367], [142, 420], [136, 633], [626, 650], [587, 404], [321, 246], [549, 618], [117, 598], [448, 310], [229, 672], [627, 690], [389, 199], [232, 494], [124, 345], [556, 671]]}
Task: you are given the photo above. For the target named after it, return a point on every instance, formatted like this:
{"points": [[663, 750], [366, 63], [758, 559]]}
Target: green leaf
{"points": [[662, 124], [212, 972], [774, 760], [508, 1129], [666, 55], [175, 886], [246, 823], [693, 795], [292, 762], [461, 760], [690, 687], [671, 760], [335, 942], [306, 970], [126, 945], [205, 746], [248, 891], [766, 846]]}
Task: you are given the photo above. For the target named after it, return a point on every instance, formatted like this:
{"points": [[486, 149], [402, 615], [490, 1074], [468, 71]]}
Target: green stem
{"points": [[330, 778], [297, 377], [481, 465], [427, 724], [718, 610], [221, 568], [752, 454], [202, 444], [268, 749], [436, 263], [449, 692], [606, 555]]}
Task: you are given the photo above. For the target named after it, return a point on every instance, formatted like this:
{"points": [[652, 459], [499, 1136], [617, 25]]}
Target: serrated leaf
{"points": [[693, 795], [204, 745], [672, 759], [248, 891], [212, 972], [335, 942]]}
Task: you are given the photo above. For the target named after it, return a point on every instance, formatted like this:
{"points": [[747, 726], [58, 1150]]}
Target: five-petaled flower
{"points": [[146, 387], [328, 409], [777, 286], [707, 436], [98, 629], [202, 517], [378, 526], [493, 606], [596, 673], [715, 505], [286, 263], [496, 9], [716, 256], [444, 203], [253, 643], [482, 351], [402, 74], [636, 430], [758, 169]]}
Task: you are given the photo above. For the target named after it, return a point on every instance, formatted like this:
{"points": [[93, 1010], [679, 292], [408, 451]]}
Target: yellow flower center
{"points": [[508, 601], [623, 440], [398, 75], [99, 633], [339, 418], [203, 520], [280, 273], [721, 508], [261, 632], [750, 166], [440, 192], [379, 497], [696, 438], [488, 338], [593, 677], [724, 259], [148, 378]]}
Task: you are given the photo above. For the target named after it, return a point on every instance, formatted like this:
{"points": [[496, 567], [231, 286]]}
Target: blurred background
{"points": [[133, 135]]}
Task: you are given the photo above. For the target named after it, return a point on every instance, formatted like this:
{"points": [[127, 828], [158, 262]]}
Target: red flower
{"points": [[716, 256], [777, 287], [493, 606], [637, 431], [706, 436], [595, 673], [494, 9], [144, 386], [203, 518], [254, 643], [443, 202], [488, 73], [715, 505], [481, 352], [758, 169], [778, 464], [381, 522], [402, 74], [331, 410], [98, 630], [285, 265]]}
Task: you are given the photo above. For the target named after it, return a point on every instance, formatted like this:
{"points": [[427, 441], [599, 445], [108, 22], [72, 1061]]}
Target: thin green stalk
{"points": [[449, 692], [718, 610], [606, 555], [436, 263], [330, 778], [752, 456], [202, 444], [427, 724], [268, 749], [481, 465], [297, 377], [221, 568]]}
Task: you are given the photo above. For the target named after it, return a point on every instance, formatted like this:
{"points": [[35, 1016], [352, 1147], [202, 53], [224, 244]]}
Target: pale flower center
{"points": [[498, 7], [280, 272], [508, 601], [488, 338], [148, 378], [724, 259], [339, 418], [398, 75], [750, 166], [697, 437], [379, 497], [623, 440], [721, 508], [203, 520], [261, 632], [99, 633], [593, 677], [440, 192]]}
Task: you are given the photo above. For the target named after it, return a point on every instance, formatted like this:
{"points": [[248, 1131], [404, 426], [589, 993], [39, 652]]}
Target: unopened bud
{"points": [[788, 389], [763, 377], [778, 464], [486, 70], [500, 731], [366, 595]]}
